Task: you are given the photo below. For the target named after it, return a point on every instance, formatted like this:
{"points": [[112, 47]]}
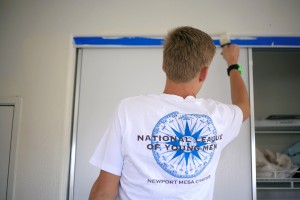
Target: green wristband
{"points": [[235, 66]]}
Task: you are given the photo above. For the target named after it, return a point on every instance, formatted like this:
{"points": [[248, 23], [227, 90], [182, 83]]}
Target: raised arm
{"points": [[105, 187], [239, 95]]}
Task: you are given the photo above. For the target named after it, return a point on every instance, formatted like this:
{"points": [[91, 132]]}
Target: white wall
{"points": [[37, 62]]}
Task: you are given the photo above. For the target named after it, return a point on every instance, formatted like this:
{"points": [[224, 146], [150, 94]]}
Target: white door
{"points": [[6, 122], [109, 74]]}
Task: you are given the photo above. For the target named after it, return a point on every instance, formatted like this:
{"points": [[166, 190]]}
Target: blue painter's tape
{"points": [[158, 42], [123, 41], [269, 41], [265, 41]]}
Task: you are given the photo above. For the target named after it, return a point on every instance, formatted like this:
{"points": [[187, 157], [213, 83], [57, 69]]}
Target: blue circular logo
{"points": [[186, 143]]}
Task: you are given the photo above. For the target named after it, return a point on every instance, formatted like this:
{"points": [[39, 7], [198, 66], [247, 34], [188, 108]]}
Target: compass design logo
{"points": [[186, 143]]}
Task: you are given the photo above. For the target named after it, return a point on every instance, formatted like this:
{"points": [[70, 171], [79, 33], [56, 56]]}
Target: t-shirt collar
{"points": [[176, 97]]}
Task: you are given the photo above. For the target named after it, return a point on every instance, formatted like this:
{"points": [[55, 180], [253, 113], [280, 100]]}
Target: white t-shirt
{"points": [[167, 147]]}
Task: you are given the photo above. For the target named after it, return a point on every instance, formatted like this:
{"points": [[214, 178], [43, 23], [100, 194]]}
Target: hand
{"points": [[231, 54]]}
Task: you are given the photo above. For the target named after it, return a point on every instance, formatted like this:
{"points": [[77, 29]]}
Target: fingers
{"points": [[230, 53], [230, 49], [225, 47]]}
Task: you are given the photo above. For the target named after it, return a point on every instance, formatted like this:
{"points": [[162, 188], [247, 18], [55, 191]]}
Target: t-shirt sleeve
{"points": [[233, 122], [108, 156]]}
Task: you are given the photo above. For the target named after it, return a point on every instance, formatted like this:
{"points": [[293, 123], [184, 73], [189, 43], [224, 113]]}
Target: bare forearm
{"points": [[97, 194], [105, 187], [239, 95]]}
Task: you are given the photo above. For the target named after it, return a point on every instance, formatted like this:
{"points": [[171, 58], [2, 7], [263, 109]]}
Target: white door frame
{"points": [[16, 102]]}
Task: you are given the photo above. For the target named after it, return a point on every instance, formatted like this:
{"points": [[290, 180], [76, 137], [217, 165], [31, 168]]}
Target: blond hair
{"points": [[186, 51]]}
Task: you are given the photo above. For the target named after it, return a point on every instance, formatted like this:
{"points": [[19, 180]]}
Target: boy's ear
{"points": [[203, 73], [163, 67]]}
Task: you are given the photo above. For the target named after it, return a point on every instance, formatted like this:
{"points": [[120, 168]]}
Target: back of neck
{"points": [[181, 89]]}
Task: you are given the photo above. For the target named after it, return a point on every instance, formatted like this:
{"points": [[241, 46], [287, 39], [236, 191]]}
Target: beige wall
{"points": [[37, 62]]}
